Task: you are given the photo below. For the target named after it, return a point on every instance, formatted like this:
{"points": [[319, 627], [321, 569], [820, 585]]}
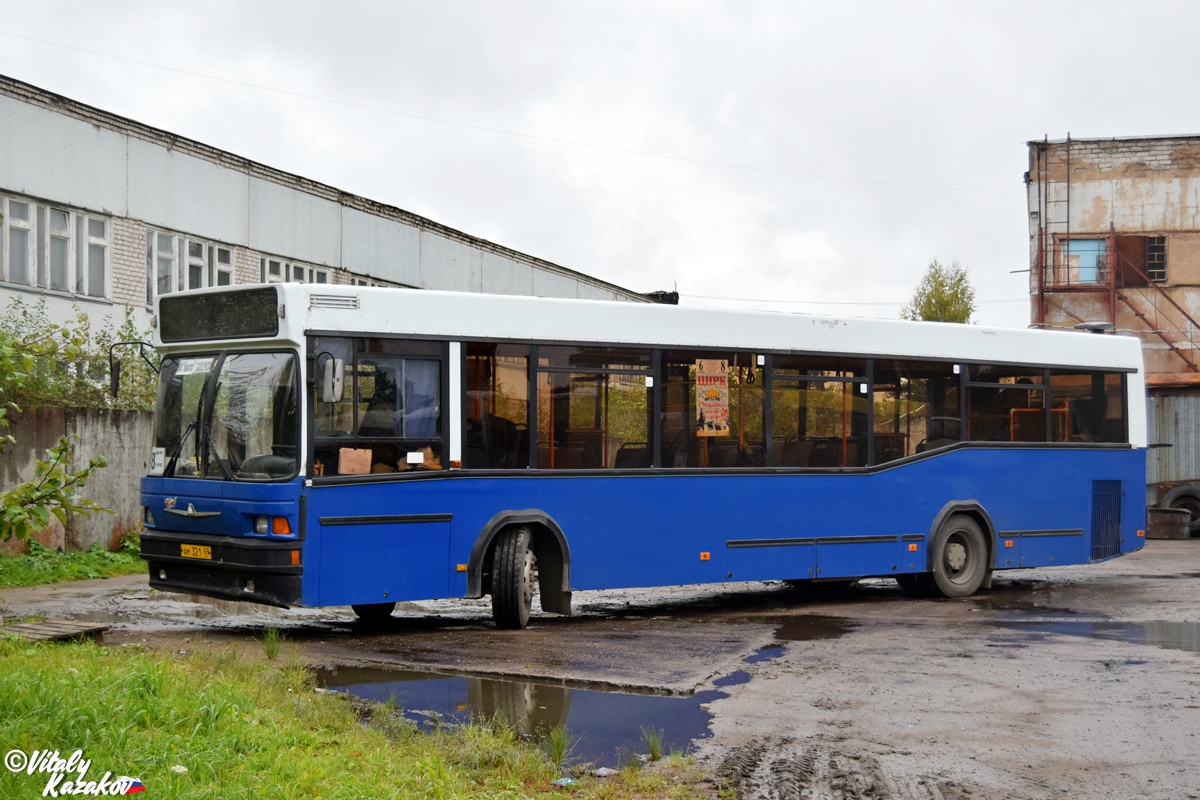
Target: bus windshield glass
{"points": [[232, 416]]}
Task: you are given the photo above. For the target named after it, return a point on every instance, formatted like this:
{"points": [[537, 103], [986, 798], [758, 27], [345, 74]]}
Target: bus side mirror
{"points": [[114, 377], [333, 381]]}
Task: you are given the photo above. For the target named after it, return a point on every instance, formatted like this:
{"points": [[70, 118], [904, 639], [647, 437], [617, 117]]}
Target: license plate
{"points": [[195, 551]]}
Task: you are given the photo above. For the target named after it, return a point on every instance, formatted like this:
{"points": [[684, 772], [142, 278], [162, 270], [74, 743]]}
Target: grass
{"points": [[272, 642], [44, 565], [653, 739], [247, 727], [558, 745]]}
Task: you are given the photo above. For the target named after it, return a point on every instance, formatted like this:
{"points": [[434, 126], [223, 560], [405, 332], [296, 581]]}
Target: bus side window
{"points": [[390, 405], [593, 407], [497, 406], [712, 409], [916, 408], [1006, 404], [819, 416], [1088, 407]]}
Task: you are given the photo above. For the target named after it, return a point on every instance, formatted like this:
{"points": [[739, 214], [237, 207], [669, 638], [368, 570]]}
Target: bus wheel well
{"points": [[549, 548]]}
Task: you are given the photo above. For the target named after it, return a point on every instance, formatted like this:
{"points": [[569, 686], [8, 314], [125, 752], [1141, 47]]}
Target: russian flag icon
{"points": [[134, 786]]}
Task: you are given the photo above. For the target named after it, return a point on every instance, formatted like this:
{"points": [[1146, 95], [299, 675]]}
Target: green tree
{"points": [[54, 489], [945, 294]]}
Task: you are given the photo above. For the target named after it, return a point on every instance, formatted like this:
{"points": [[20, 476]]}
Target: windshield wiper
{"points": [[169, 472]]}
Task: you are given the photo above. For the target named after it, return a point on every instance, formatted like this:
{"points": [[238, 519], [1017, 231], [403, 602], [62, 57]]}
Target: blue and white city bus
{"points": [[327, 445]]}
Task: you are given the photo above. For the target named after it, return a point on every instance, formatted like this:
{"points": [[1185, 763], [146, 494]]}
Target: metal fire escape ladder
{"points": [[1187, 327]]}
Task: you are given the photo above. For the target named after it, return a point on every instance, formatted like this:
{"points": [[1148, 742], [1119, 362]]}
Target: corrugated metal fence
{"points": [[1175, 420]]}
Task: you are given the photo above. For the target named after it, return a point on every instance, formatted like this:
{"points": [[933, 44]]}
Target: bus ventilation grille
{"points": [[333, 301], [1106, 519]]}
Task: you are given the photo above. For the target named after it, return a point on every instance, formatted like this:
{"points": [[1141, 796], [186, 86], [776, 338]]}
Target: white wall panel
{"points": [[551, 284], [294, 224], [449, 264], [57, 158], [380, 247], [505, 276], [185, 193]]}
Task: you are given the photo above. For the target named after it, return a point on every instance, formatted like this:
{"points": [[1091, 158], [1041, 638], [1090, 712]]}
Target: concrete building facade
{"points": [[103, 213], [1114, 228]]}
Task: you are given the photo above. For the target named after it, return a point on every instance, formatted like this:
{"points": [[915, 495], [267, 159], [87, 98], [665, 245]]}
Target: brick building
{"points": [[103, 213], [1114, 228]]}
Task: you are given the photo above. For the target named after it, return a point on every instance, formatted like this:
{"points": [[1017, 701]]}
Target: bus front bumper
{"points": [[228, 567]]}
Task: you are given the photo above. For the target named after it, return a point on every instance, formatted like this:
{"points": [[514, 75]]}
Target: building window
{"points": [[53, 248], [273, 270], [1084, 261], [18, 234], [91, 259], [175, 263], [1156, 258]]}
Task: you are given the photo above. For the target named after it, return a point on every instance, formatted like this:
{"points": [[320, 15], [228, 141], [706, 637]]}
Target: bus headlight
{"points": [[262, 524]]}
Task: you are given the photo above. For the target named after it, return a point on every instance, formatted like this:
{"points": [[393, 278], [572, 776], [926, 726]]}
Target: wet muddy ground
{"points": [[1065, 682]]}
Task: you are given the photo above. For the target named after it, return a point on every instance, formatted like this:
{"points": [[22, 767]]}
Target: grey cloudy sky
{"points": [[869, 94]]}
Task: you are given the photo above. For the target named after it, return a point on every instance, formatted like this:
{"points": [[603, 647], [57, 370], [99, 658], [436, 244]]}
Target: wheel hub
{"points": [[956, 557]]}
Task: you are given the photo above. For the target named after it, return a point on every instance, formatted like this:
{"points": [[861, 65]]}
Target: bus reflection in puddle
{"points": [[605, 726]]}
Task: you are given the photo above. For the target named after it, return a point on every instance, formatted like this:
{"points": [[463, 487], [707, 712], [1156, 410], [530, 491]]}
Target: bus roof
{"points": [[466, 315]]}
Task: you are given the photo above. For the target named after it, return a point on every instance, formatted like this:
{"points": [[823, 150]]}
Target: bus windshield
{"points": [[232, 416]]}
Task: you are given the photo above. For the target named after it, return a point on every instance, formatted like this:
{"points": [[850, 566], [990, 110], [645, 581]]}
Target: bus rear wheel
{"points": [[374, 613], [514, 578], [960, 557]]}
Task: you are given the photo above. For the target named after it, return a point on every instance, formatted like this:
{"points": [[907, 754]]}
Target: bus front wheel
{"points": [[960, 557], [514, 578]]}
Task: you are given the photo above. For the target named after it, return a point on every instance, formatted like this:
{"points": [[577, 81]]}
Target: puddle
{"points": [[1167, 635], [764, 654], [606, 726], [733, 679], [807, 628]]}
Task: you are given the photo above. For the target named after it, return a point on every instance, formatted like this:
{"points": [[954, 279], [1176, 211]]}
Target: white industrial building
{"points": [[101, 213]]}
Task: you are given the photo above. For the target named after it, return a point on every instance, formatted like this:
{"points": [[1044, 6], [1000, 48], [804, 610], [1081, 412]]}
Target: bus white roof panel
{"points": [[460, 315]]}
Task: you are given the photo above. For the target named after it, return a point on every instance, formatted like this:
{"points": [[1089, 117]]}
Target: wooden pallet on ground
{"points": [[54, 630]]}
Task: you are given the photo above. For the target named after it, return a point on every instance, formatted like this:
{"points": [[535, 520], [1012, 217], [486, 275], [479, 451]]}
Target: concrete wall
{"points": [[122, 437]]}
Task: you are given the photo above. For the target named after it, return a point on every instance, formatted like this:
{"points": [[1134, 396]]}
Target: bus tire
{"points": [[374, 613], [1186, 498], [514, 578], [960, 557]]}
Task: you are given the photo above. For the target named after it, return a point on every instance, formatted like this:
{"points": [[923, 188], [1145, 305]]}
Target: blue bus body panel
{"points": [[405, 539], [652, 530]]}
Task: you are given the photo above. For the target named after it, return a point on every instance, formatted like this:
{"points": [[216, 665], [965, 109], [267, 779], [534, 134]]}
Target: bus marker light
{"points": [[460, 567], [1008, 542], [912, 548], [295, 558], [280, 526], [705, 556]]}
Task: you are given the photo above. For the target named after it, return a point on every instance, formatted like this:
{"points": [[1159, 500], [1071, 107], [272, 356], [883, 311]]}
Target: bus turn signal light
{"points": [[295, 558], [280, 526]]}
